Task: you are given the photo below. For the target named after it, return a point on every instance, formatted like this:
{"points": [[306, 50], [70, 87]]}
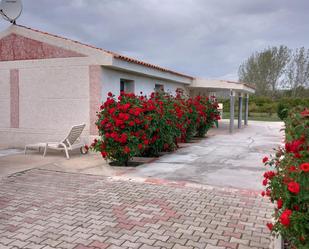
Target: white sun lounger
{"points": [[71, 142], [37, 146]]}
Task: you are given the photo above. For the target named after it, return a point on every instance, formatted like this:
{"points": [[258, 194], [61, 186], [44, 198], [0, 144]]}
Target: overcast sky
{"points": [[204, 38]]}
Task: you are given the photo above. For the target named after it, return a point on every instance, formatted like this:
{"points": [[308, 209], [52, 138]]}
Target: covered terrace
{"points": [[232, 89]]}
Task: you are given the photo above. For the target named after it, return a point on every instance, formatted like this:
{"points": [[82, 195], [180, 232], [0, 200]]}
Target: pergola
{"points": [[233, 89]]}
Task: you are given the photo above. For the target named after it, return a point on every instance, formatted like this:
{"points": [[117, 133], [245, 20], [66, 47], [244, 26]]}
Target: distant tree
{"points": [[265, 69], [297, 72]]}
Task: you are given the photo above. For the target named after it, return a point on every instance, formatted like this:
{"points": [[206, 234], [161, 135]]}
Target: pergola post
{"points": [[232, 102], [246, 108], [240, 111]]}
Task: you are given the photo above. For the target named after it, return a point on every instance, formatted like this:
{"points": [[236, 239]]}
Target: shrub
{"points": [[136, 125], [288, 103], [208, 114], [287, 183], [163, 124], [122, 127], [282, 111]]}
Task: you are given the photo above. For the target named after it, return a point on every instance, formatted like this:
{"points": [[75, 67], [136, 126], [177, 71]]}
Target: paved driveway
{"points": [[49, 209], [221, 159], [170, 203]]}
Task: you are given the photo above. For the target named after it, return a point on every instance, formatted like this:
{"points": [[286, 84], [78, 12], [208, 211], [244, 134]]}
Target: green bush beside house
{"points": [[266, 108]]}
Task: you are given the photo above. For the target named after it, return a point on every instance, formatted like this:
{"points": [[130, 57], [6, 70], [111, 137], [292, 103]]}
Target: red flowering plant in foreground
{"points": [[287, 182]]}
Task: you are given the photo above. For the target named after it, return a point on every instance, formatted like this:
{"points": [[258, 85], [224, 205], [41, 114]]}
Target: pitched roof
{"points": [[115, 55]]}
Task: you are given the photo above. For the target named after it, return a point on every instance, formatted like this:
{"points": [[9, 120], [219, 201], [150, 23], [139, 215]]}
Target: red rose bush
{"points": [[287, 183], [132, 125]]}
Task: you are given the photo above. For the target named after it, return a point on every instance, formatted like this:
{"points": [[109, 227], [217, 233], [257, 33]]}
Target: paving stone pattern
{"points": [[49, 209]]}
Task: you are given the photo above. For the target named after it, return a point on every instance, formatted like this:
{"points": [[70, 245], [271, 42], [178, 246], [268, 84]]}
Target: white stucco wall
{"points": [[137, 68], [111, 83], [55, 97], [4, 98], [52, 98]]}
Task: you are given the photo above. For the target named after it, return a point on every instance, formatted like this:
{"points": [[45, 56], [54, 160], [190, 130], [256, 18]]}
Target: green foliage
{"points": [[282, 111], [275, 69], [267, 105], [285, 104], [264, 69]]}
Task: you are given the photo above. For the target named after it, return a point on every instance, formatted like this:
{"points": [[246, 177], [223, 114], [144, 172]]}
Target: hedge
{"points": [[132, 125]]}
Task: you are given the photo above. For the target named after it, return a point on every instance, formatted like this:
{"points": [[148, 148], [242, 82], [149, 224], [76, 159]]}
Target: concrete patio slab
{"points": [[91, 163], [8, 152], [222, 159]]}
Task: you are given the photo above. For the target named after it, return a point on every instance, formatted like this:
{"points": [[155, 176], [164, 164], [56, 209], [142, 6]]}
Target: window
{"points": [[159, 88], [126, 86]]}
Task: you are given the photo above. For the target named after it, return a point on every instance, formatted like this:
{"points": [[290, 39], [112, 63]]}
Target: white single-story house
{"points": [[49, 83]]}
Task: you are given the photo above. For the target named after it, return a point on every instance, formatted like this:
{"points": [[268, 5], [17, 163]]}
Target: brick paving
{"points": [[41, 209]]}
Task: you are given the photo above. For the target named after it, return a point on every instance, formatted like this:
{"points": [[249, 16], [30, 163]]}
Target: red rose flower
{"points": [[140, 146], [123, 138], [265, 159], [110, 94], [304, 167], [125, 107], [86, 147], [293, 187], [294, 146], [279, 203], [119, 122], [305, 113], [104, 154], [268, 192], [112, 110], [269, 174], [265, 182], [292, 169], [297, 155], [124, 116], [263, 193], [285, 217], [270, 226], [126, 150]]}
